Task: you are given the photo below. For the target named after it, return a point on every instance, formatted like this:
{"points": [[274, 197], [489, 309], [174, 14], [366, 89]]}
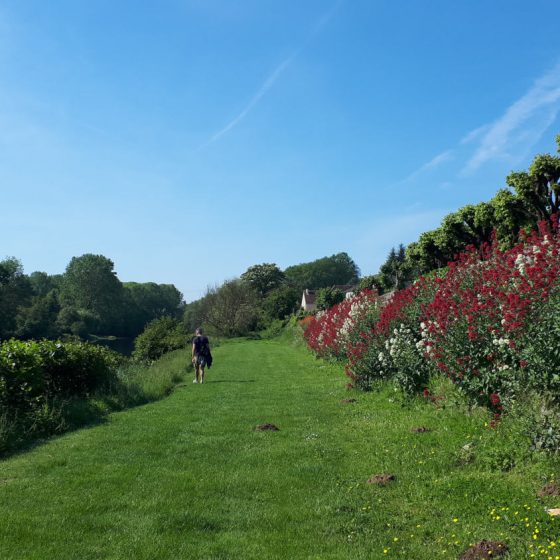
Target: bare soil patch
{"points": [[549, 489], [421, 430], [381, 479], [485, 549], [267, 428], [348, 401]]}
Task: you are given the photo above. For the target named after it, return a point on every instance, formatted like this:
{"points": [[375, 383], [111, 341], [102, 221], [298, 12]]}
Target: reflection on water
{"points": [[122, 345]]}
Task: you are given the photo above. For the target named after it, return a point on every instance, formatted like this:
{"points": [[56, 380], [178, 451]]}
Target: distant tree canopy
{"points": [[532, 196], [327, 297], [231, 309], [87, 299], [396, 271], [91, 286], [263, 278], [338, 269], [15, 291]]}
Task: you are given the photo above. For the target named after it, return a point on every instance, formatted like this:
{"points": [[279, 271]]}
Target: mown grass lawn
{"points": [[189, 477]]}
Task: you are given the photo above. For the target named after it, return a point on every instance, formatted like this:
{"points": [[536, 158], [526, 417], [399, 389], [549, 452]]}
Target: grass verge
{"points": [[136, 384]]}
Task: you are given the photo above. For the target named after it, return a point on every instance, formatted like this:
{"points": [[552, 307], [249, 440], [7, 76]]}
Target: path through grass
{"points": [[190, 478]]}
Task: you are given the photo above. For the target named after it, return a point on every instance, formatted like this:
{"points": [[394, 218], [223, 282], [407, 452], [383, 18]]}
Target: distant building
{"points": [[308, 298]]}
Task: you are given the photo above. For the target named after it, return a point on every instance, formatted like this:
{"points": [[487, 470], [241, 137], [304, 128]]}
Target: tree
{"points": [[263, 278], [15, 292], [281, 302], [372, 282], [396, 271], [39, 319], [90, 284], [327, 297], [337, 269], [42, 283], [147, 301], [539, 188], [229, 310]]}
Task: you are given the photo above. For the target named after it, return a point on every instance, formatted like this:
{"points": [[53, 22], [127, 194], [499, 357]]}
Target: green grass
{"points": [[188, 477]]}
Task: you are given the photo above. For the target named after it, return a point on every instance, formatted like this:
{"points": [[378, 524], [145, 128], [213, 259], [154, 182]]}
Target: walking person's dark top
{"points": [[201, 355]]}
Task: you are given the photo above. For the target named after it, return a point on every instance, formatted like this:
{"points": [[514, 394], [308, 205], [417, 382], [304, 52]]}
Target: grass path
{"points": [[189, 477]]}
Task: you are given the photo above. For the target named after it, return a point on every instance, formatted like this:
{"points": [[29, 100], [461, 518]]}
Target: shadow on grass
{"points": [[231, 381], [70, 416], [78, 415]]}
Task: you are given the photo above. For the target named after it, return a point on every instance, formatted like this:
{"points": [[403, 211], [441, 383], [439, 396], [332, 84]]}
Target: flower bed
{"points": [[490, 322]]}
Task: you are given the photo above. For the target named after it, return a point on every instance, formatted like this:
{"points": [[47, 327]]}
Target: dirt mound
{"points": [[348, 401], [485, 549], [381, 479], [267, 428], [549, 489], [421, 430]]}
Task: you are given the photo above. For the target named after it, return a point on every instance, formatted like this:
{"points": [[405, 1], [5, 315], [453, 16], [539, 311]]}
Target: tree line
{"points": [[264, 293], [87, 299], [530, 196]]}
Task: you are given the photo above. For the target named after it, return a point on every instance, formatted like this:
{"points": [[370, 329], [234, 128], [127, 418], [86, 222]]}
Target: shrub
{"points": [[159, 337], [38, 377]]}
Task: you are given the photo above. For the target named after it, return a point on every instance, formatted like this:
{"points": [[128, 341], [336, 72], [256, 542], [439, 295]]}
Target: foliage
{"points": [[372, 282], [159, 337], [396, 271], [231, 309], [90, 284], [48, 387], [37, 377], [325, 298], [280, 303], [144, 302], [337, 269], [263, 278], [40, 318], [15, 290]]}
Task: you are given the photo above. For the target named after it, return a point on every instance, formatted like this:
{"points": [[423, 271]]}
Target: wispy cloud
{"points": [[273, 77], [434, 163], [510, 137], [268, 83], [522, 124]]}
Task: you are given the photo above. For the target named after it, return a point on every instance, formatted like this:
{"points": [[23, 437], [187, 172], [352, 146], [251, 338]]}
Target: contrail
{"points": [[269, 82]]}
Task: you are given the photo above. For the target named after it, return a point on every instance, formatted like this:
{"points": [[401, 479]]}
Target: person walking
{"points": [[201, 356]]}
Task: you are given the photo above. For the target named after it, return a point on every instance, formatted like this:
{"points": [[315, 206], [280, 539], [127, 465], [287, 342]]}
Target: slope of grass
{"points": [[189, 477]]}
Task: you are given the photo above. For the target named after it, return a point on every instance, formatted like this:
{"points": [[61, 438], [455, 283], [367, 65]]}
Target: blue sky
{"points": [[189, 139]]}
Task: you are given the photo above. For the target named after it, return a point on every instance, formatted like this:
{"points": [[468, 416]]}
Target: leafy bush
{"points": [[327, 297], [38, 377], [159, 337]]}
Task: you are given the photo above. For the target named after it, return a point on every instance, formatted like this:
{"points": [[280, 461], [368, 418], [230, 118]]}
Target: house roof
{"points": [[309, 296]]}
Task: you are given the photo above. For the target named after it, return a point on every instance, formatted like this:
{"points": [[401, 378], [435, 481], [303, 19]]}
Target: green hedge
{"points": [[35, 372]]}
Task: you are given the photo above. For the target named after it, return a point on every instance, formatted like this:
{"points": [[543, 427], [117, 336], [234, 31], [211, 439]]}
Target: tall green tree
{"points": [[231, 309], [539, 187], [337, 269], [15, 292], [263, 278], [39, 320], [91, 284], [396, 271], [281, 302]]}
